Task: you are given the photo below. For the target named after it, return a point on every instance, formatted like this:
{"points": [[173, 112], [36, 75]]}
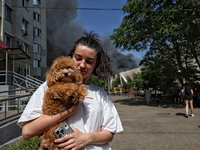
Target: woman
{"points": [[148, 96], [95, 120], [188, 99]]}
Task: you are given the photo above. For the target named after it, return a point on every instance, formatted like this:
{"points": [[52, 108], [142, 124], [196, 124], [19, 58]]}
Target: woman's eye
{"points": [[78, 59], [89, 62]]}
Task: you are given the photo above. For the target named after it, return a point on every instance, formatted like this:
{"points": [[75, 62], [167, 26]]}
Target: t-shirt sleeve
{"points": [[34, 107], [111, 121]]}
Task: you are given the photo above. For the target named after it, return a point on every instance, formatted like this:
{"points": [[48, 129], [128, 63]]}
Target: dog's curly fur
{"points": [[64, 89]]}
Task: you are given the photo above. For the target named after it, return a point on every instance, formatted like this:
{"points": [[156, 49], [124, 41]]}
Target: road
{"points": [[155, 127]]}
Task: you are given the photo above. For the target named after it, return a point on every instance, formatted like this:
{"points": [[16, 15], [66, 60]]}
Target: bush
{"points": [[12, 108], [31, 144]]}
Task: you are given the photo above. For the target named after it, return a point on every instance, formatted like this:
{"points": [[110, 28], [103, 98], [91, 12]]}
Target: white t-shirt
{"points": [[95, 113]]}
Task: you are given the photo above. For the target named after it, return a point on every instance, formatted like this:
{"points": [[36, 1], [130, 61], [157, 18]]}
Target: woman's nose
{"points": [[82, 65]]}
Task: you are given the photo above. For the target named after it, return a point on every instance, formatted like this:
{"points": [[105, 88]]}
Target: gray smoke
{"points": [[62, 33], [119, 61]]}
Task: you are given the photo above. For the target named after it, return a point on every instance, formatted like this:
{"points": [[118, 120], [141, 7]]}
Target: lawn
{"points": [[31, 144]]}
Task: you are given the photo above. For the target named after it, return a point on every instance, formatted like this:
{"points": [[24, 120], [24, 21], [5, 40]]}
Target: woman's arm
{"points": [[182, 91], [192, 92], [44, 122], [78, 139], [99, 138]]}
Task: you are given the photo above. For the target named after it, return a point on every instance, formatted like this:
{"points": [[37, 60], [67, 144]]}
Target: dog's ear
{"points": [[78, 78], [50, 78]]}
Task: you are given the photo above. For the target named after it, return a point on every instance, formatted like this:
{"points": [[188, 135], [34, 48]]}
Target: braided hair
{"points": [[103, 68]]}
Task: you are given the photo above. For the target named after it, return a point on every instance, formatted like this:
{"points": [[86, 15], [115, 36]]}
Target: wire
{"points": [[64, 8]]}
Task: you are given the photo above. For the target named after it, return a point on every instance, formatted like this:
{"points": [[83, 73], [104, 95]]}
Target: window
{"points": [[36, 32], [21, 71], [8, 13], [36, 48], [25, 3], [36, 63], [36, 2], [36, 16], [25, 48], [8, 40], [24, 25]]}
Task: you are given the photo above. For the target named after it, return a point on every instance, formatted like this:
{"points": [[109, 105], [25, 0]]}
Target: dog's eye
{"points": [[69, 68]]}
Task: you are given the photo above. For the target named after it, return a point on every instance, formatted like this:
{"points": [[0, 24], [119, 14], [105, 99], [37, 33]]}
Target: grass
{"points": [[31, 144]]}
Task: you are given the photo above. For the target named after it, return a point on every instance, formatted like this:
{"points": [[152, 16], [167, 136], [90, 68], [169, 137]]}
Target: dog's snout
{"points": [[66, 74]]}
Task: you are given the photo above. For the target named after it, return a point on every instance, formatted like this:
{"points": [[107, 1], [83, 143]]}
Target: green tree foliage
{"points": [[137, 80], [129, 83], [116, 82], [168, 29], [158, 77], [95, 80]]}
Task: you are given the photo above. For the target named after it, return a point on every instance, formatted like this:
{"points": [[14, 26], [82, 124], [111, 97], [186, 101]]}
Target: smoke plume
{"points": [[62, 33], [119, 61]]}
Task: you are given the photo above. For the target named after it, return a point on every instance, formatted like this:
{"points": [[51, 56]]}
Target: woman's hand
{"points": [[73, 141], [70, 111], [78, 139]]}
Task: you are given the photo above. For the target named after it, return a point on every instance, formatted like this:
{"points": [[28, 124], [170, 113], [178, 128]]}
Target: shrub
{"points": [[31, 144]]}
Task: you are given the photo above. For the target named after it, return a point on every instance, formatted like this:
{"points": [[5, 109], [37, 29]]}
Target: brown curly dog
{"points": [[64, 89]]}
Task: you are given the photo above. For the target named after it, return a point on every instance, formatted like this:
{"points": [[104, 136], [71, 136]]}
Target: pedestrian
{"points": [[95, 120], [148, 96], [188, 98], [197, 91], [126, 90], [176, 91]]}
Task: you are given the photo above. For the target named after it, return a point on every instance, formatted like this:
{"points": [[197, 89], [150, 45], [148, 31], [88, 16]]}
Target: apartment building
{"points": [[23, 31]]}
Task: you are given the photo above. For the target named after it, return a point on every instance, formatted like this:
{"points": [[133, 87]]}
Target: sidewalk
{"points": [[161, 127]]}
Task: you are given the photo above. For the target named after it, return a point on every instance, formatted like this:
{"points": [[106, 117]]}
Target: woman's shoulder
{"points": [[94, 87]]}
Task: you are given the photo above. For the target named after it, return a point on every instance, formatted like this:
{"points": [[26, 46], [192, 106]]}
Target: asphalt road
{"points": [[155, 127]]}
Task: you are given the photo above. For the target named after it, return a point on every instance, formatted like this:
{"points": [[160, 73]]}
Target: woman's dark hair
{"points": [[91, 40]]}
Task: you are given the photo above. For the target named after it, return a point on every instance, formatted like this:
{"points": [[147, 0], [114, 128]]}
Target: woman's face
{"points": [[86, 60]]}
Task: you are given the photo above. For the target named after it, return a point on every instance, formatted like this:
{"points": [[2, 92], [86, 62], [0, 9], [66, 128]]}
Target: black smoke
{"points": [[119, 61], [62, 33]]}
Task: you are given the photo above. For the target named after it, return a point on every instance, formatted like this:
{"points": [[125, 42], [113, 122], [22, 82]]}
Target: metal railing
{"points": [[32, 82], [10, 77], [13, 104]]}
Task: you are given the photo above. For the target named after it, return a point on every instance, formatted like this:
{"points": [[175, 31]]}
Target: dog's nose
{"points": [[66, 74]]}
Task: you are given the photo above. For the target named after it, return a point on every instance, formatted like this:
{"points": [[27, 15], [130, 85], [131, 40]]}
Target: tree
{"points": [[129, 83], [116, 82], [168, 29], [156, 76], [95, 80], [137, 80]]}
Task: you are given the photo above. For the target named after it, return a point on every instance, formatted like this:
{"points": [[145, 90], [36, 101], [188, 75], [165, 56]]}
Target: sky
{"points": [[103, 21], [68, 19]]}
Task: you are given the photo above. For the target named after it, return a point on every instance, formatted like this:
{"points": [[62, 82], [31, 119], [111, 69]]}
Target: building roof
{"points": [[2, 45], [16, 53], [130, 73]]}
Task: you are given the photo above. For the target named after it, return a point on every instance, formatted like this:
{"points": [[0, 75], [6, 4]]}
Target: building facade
{"points": [[23, 26]]}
